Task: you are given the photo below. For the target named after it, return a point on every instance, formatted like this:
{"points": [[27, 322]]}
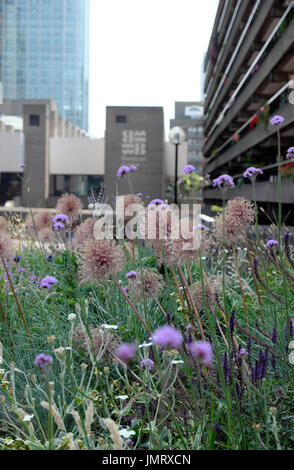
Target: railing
{"points": [[247, 123], [251, 68]]}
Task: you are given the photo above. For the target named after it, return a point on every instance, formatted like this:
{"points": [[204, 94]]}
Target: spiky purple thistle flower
{"points": [[223, 182], [43, 360], [271, 242], [203, 350], [167, 336], [290, 153], [189, 169], [122, 171], [125, 352], [131, 275], [16, 258], [277, 120], [252, 172]]}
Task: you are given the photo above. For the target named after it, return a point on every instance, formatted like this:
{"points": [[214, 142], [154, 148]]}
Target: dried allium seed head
{"points": [[102, 343], [3, 224], [46, 235], [70, 205], [208, 296], [130, 199], [84, 233], [101, 260], [239, 214], [6, 246], [148, 283], [42, 220]]}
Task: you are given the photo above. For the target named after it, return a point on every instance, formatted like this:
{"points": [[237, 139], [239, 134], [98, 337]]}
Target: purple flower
{"points": [[133, 168], [48, 282], [126, 351], [147, 363], [167, 336], [58, 226], [277, 120], [122, 171], [242, 352], [139, 195], [271, 242], [61, 218], [43, 360], [16, 258], [252, 172], [203, 350], [157, 203], [22, 165], [200, 227], [207, 176], [224, 181], [189, 169], [290, 153], [50, 258], [131, 275]]}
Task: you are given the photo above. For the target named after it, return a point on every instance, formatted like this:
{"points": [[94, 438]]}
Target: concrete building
{"points": [[135, 136], [60, 158], [44, 53], [249, 67], [189, 116]]}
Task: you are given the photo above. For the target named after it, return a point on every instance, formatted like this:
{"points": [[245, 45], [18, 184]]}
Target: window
{"points": [[121, 119], [34, 120]]}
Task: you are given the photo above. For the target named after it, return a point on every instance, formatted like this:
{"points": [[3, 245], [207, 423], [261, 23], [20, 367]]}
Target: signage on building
{"points": [[193, 112], [133, 146]]}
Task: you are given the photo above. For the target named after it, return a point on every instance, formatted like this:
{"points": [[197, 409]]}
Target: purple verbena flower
{"points": [[277, 120], [203, 350], [207, 176], [61, 218], [271, 242], [43, 360], [290, 153], [167, 336], [126, 351], [139, 195], [122, 171], [131, 275], [133, 168], [224, 181], [189, 169], [48, 282], [252, 172], [58, 226], [147, 363]]}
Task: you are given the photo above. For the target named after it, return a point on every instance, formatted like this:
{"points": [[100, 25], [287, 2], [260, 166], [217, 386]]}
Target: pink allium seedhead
{"points": [[148, 284], [69, 205], [168, 336], [3, 224], [42, 220], [101, 260], [46, 235], [239, 215], [84, 233], [6, 246]]}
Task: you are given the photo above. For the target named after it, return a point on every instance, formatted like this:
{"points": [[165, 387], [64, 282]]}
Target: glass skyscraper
{"points": [[44, 53]]}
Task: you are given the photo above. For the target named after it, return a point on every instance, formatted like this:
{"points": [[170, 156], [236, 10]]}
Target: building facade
{"points": [[189, 116], [249, 78], [135, 136], [44, 53], [43, 156]]}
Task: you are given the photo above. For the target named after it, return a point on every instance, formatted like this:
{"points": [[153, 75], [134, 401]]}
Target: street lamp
{"points": [[177, 137]]}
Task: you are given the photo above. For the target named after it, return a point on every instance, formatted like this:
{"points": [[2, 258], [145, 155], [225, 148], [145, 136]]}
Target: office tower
{"points": [[44, 54]]}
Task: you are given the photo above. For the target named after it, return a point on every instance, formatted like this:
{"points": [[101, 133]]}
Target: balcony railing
{"points": [[260, 55]]}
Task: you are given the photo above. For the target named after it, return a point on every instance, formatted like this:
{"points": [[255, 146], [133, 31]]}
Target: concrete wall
{"points": [[77, 156], [11, 152], [138, 141]]}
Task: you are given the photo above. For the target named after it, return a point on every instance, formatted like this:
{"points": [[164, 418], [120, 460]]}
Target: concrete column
{"points": [[73, 131], [61, 126], [9, 129], [53, 124], [36, 128]]}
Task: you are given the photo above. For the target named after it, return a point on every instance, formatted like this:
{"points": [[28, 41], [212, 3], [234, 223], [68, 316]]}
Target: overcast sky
{"points": [[146, 53]]}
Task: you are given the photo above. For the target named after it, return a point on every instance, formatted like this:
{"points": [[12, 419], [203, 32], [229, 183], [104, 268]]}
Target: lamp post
{"points": [[177, 136]]}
